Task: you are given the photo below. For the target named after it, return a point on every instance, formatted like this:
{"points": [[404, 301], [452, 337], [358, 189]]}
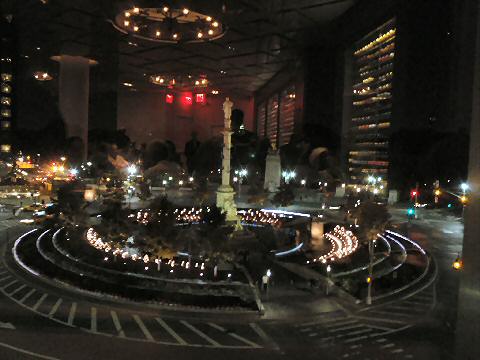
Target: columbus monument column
{"points": [[225, 192]]}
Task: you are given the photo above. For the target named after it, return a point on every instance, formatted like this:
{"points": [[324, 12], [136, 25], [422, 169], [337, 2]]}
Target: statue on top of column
{"points": [[227, 108]]}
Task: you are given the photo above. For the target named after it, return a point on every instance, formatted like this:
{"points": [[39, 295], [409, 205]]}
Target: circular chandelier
{"points": [[168, 25], [180, 81]]}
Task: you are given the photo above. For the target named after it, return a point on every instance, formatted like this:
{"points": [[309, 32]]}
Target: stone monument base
{"points": [[226, 201]]}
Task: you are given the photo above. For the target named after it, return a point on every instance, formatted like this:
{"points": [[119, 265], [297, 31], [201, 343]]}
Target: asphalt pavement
{"points": [[38, 321]]}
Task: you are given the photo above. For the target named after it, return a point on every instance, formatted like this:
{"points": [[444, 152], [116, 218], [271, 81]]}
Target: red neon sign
{"points": [[200, 98], [188, 100], [169, 99]]}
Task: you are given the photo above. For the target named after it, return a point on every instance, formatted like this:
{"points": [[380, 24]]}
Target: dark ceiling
{"points": [[263, 37]]}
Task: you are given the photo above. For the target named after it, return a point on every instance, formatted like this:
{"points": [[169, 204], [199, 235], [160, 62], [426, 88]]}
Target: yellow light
{"points": [[199, 35], [457, 264], [126, 23], [215, 24], [157, 33], [209, 18], [197, 82], [185, 11], [165, 9], [135, 28], [210, 32], [369, 279], [174, 36], [127, 14], [437, 192], [463, 199], [61, 168], [136, 10]]}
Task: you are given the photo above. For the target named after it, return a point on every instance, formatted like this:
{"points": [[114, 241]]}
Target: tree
{"points": [[71, 203], [372, 218]]}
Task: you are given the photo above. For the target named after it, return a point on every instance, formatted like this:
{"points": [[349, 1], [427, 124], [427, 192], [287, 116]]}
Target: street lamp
{"points": [[464, 187]]}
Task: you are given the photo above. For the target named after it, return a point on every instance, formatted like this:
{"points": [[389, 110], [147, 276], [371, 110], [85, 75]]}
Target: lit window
{"points": [[6, 100], [6, 113], [6, 88], [5, 124], [6, 77], [5, 148]]}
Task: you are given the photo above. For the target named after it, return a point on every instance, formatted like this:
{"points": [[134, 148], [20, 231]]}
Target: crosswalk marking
{"points": [[26, 296], [93, 319], [396, 351], [39, 302], [142, 327], [199, 333], [263, 335], [9, 284], [117, 324], [340, 323], [17, 290], [71, 314], [357, 325], [386, 346], [168, 329], [5, 278], [53, 310], [238, 337]]}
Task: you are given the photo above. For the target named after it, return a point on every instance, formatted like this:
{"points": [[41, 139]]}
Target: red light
{"points": [[200, 98], [169, 99], [188, 100]]}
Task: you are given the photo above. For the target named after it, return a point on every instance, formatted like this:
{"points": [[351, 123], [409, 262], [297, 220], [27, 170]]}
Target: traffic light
{"points": [[411, 212], [413, 193], [437, 192], [369, 279], [463, 199]]}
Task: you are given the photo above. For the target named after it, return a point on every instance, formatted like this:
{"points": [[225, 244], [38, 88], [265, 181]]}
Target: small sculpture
{"points": [[227, 108]]}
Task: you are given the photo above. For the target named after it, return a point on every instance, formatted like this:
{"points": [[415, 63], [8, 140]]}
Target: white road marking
{"points": [[340, 323], [168, 329], [381, 340], [55, 307], [200, 333], [71, 314], [117, 324], [93, 319], [386, 346], [397, 351], [313, 334], [235, 336], [23, 351], [26, 296], [354, 333], [263, 335], [6, 325], [17, 290], [39, 302], [142, 327], [345, 328], [9, 284], [5, 278]]}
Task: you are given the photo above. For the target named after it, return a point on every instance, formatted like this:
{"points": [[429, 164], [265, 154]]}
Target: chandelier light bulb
{"points": [[127, 14], [185, 11], [126, 23], [136, 10], [199, 35], [210, 32], [165, 9], [197, 82], [157, 33], [204, 81], [135, 28], [209, 18], [174, 36], [161, 80], [215, 24]]}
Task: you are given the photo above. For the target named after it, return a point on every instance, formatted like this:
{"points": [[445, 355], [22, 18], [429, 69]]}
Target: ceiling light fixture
{"points": [[180, 81], [42, 76], [164, 24]]}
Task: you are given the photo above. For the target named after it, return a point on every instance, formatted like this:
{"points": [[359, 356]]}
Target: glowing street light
{"points": [[458, 263], [132, 169], [464, 187]]}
